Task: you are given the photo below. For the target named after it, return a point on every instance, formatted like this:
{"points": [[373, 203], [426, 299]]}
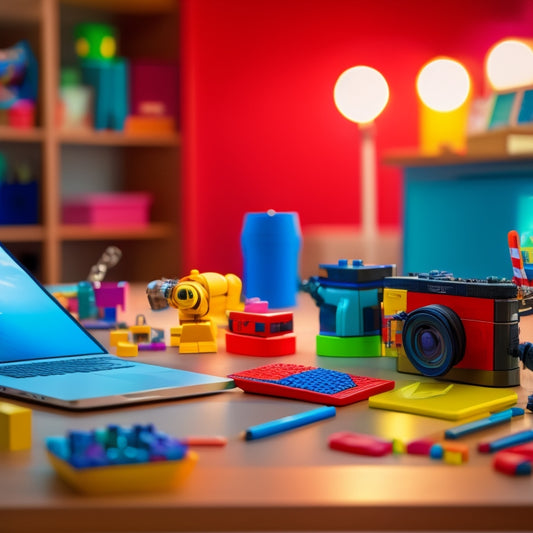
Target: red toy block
{"points": [[420, 446], [260, 346], [346, 441], [260, 324], [515, 461]]}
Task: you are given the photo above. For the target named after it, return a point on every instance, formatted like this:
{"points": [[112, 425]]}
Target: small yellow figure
{"points": [[203, 301]]}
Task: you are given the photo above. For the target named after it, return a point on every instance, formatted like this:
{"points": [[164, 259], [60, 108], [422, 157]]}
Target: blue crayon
{"points": [[289, 422], [506, 442], [483, 423]]}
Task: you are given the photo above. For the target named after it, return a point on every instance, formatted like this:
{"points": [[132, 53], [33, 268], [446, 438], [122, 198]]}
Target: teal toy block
{"points": [[109, 81], [349, 296], [362, 346], [350, 311], [15, 427]]}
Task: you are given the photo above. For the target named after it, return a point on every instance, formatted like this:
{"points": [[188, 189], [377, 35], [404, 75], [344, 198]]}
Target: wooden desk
{"points": [[288, 482]]}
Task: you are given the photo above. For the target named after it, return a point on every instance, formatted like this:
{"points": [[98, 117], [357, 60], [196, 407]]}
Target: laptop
{"points": [[47, 356]]}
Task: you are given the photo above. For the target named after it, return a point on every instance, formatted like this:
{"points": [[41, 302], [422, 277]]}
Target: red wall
{"points": [[260, 127]]}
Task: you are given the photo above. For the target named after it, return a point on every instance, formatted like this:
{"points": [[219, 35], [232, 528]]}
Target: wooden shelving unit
{"points": [[147, 29]]}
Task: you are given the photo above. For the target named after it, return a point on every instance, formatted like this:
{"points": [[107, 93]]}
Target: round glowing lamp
{"points": [[443, 86], [509, 64], [361, 94]]}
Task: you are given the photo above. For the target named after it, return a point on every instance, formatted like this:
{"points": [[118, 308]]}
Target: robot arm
{"points": [[159, 291], [234, 284], [196, 296], [312, 287]]}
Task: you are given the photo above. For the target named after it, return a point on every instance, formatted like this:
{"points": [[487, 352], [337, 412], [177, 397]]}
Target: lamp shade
{"points": [[443, 84], [509, 64], [361, 93]]}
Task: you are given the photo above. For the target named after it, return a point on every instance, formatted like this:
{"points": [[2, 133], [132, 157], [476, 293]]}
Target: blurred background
{"points": [[155, 125]]}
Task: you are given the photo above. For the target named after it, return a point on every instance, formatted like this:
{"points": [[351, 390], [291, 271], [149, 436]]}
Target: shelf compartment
{"points": [[24, 233], [20, 11], [126, 6], [84, 232], [33, 135], [114, 138]]}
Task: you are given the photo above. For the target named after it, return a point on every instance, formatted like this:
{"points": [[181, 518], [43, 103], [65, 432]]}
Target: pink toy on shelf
{"points": [[108, 209]]}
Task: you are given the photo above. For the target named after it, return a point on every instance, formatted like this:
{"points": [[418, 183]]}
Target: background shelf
{"points": [[87, 161]]}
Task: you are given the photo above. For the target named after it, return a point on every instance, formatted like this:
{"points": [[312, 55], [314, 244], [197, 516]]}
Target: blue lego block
{"points": [[109, 81], [320, 380], [19, 203], [109, 314], [349, 297], [355, 273]]}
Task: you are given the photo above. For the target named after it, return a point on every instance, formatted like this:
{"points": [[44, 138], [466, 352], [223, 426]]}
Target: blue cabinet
{"points": [[458, 211]]}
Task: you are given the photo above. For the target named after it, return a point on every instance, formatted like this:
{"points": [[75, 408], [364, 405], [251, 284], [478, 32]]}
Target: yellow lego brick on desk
{"points": [[127, 349], [141, 333], [118, 335], [15, 427]]}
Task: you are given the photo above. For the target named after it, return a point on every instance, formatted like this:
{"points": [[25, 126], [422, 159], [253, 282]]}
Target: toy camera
{"points": [[445, 327]]}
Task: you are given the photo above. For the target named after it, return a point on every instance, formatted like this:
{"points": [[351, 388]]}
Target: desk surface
{"points": [[289, 482]]}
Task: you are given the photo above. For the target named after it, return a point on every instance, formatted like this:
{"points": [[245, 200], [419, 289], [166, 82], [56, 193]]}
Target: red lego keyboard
{"points": [[309, 383]]}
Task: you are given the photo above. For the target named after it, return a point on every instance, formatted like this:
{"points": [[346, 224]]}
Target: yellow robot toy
{"points": [[203, 301]]}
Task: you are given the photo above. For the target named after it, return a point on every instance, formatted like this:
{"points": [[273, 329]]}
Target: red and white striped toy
{"points": [[519, 274]]}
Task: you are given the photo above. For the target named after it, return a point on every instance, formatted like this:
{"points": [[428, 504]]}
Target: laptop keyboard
{"points": [[62, 366]]}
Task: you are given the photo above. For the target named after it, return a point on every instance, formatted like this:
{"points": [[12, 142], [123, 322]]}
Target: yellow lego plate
{"points": [[445, 400], [128, 478]]}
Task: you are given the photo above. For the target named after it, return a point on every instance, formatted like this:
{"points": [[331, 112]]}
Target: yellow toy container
{"points": [[125, 478]]}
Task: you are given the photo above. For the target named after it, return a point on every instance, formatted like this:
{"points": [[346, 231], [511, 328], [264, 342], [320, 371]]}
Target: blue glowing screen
{"points": [[32, 324]]}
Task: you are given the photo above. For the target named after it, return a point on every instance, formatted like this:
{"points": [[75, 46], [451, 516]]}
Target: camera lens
{"points": [[434, 339]]}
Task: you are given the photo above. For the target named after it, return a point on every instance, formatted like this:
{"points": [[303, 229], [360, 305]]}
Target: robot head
{"points": [[188, 296]]}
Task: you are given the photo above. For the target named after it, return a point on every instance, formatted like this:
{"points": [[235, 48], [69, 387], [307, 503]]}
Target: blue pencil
{"points": [[289, 422], [505, 442], [483, 423]]}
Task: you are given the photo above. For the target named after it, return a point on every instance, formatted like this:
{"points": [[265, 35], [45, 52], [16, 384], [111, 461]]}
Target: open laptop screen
{"points": [[32, 324]]}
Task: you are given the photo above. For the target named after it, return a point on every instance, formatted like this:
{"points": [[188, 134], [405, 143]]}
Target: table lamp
{"points": [[360, 94], [443, 86]]}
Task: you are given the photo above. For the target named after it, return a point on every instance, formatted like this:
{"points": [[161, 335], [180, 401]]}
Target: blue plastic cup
{"points": [[270, 244]]}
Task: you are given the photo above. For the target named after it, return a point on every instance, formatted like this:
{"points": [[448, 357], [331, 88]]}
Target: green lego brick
{"points": [[363, 346]]}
